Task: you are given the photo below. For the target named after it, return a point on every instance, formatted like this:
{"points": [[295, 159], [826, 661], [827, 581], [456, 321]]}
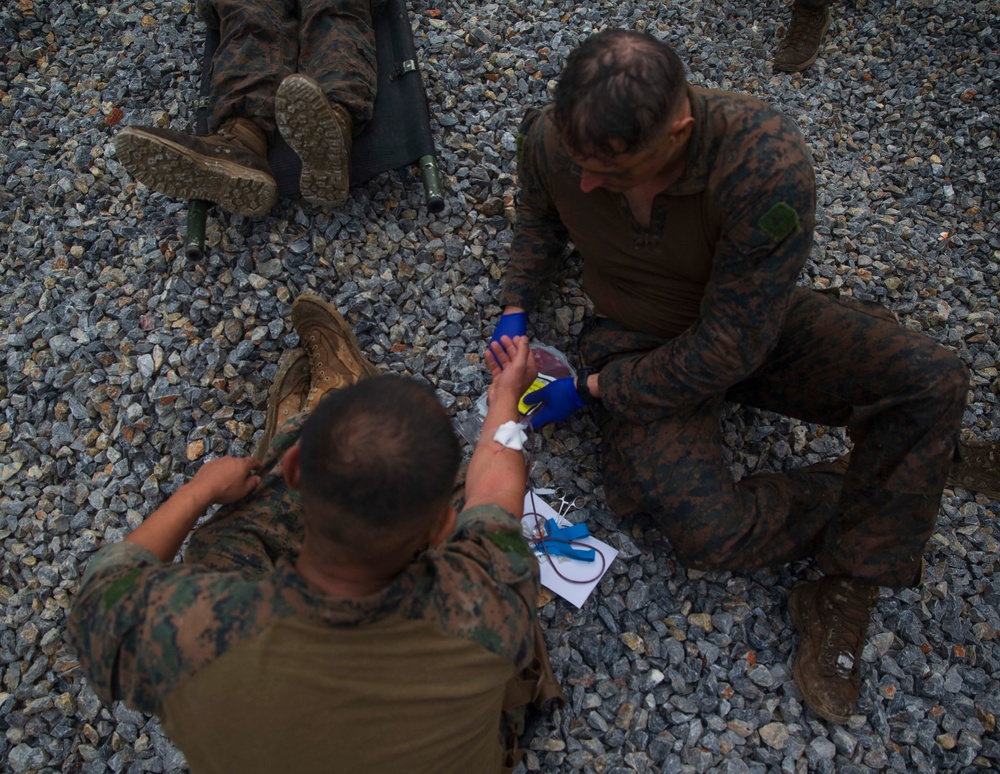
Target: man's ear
{"points": [[443, 528], [291, 467], [682, 128]]}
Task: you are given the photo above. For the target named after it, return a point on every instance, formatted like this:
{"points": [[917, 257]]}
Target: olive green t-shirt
{"points": [[271, 675]]}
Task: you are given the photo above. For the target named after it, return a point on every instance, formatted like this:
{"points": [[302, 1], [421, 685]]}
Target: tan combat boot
{"points": [[803, 38], [335, 360], [831, 616], [319, 131], [229, 168], [287, 397]]}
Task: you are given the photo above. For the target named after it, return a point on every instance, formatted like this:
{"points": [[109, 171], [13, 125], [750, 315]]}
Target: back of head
{"points": [[378, 459], [618, 92]]}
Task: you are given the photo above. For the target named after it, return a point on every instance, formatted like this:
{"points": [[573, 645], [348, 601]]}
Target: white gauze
{"points": [[511, 435]]}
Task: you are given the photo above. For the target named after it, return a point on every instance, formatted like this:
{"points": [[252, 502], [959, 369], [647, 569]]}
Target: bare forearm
{"points": [[164, 531], [497, 473], [222, 480]]}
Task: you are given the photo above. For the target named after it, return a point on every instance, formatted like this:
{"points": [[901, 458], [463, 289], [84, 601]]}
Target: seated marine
{"points": [[336, 612]]}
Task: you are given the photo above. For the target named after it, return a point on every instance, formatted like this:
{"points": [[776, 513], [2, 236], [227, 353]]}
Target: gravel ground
{"points": [[127, 365]]}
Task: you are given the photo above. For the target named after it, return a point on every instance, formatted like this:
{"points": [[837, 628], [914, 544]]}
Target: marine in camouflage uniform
{"points": [[264, 41], [251, 667], [701, 307], [306, 68]]}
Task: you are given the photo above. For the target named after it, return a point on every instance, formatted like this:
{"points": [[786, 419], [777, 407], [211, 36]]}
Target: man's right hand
{"points": [[513, 324], [225, 480], [496, 473]]}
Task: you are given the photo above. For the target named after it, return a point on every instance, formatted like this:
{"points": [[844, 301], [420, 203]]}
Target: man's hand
{"points": [[496, 473], [512, 324], [512, 366], [559, 398], [225, 480]]}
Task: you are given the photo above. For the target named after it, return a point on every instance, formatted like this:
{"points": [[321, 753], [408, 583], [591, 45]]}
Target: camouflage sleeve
{"points": [[767, 194], [540, 238], [487, 584], [139, 626], [108, 611]]}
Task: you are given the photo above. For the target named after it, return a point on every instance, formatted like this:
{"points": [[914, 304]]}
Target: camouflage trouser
{"points": [[251, 535], [837, 362], [262, 41]]}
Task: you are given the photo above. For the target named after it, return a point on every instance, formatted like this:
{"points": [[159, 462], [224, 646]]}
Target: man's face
{"points": [[624, 171]]}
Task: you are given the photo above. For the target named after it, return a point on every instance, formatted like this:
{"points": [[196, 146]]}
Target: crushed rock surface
{"points": [[127, 365]]}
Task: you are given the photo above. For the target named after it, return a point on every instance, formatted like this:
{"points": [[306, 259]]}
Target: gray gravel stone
{"points": [[24, 758], [126, 364]]}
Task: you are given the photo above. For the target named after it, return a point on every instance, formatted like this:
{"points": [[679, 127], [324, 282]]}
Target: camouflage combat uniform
{"points": [[251, 669], [262, 41], [701, 308]]}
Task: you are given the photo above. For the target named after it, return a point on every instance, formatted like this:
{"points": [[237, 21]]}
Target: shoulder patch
{"points": [[780, 221], [510, 542], [117, 589]]}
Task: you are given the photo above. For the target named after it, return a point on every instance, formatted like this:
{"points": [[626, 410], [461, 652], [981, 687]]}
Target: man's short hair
{"points": [[378, 457], [617, 93]]}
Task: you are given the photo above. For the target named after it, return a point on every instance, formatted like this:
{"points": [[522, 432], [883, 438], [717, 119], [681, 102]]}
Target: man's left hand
{"points": [[559, 400]]}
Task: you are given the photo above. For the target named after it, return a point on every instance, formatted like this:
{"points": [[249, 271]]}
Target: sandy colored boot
{"points": [[335, 359], [229, 168], [287, 397], [320, 133]]}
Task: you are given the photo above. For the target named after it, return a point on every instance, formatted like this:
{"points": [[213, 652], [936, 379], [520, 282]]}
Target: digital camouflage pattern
{"points": [[146, 632], [702, 308], [836, 362], [262, 41]]}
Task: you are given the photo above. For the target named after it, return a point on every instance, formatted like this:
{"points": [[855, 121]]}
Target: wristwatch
{"points": [[583, 389]]}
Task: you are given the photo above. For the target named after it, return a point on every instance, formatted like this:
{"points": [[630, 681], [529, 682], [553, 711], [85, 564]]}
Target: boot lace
{"points": [[245, 134], [850, 614], [315, 360]]}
